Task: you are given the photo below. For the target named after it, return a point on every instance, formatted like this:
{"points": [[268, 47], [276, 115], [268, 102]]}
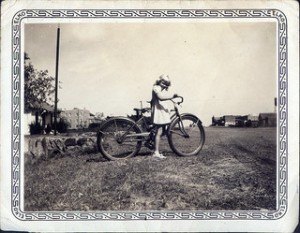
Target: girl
{"points": [[160, 113]]}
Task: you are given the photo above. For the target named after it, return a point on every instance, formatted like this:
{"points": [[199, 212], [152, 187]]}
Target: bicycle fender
{"points": [[117, 118]]}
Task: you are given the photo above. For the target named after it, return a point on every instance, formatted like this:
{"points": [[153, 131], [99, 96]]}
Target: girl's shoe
{"points": [[158, 155]]}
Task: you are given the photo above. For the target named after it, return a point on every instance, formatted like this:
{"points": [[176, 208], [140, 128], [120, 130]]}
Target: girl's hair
{"points": [[163, 78], [157, 82]]}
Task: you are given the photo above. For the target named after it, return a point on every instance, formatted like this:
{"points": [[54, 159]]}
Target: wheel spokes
{"points": [[186, 136]]}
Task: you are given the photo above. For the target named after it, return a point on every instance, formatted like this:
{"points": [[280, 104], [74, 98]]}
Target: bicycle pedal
{"points": [[149, 145]]}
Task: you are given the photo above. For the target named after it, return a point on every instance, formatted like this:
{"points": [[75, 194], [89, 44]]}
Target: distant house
{"points": [[241, 121], [96, 120], [250, 120], [43, 115], [229, 120], [47, 115], [217, 121], [246, 121], [77, 118], [267, 119]]}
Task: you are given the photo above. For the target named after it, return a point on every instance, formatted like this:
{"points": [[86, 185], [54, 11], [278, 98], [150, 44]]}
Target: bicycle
{"points": [[122, 137]]}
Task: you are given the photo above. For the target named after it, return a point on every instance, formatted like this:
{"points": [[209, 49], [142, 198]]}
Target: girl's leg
{"points": [[157, 139]]}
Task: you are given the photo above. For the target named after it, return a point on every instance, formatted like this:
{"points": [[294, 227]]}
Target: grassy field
{"points": [[236, 170]]}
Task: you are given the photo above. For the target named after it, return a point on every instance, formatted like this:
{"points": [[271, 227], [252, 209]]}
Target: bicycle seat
{"points": [[143, 110]]}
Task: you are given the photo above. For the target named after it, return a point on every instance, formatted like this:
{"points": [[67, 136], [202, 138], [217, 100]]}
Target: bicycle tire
{"points": [[186, 146], [109, 143]]}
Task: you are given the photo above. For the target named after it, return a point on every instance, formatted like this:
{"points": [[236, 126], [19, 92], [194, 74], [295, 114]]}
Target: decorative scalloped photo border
{"points": [[282, 121]]}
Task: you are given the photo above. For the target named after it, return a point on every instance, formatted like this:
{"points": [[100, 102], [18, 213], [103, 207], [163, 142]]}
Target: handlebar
{"points": [[144, 110], [178, 97]]}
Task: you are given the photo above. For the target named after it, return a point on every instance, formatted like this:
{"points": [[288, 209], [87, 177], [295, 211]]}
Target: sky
{"points": [[220, 67]]}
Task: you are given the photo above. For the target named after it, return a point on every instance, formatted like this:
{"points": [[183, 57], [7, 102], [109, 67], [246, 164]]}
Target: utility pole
{"points": [[56, 80]]}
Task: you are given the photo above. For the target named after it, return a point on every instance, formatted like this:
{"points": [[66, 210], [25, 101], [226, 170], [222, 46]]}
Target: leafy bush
{"points": [[35, 128], [94, 126], [48, 129], [62, 126]]}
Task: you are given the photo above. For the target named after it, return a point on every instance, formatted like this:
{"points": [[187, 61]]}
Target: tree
{"points": [[39, 87], [38, 91]]}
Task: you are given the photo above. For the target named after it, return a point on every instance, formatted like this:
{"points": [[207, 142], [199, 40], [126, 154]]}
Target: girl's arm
{"points": [[165, 96]]}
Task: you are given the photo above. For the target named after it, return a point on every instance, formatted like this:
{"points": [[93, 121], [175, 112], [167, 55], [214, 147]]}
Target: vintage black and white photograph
{"points": [[206, 140], [149, 114]]}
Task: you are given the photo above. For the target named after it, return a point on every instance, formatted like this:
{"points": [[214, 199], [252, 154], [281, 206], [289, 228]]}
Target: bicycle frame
{"points": [[177, 114]]}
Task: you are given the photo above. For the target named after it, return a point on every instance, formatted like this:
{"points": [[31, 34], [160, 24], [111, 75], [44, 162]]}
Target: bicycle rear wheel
{"points": [[186, 135], [117, 140]]}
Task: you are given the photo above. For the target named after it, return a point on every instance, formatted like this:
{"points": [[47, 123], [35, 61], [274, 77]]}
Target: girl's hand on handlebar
{"points": [[177, 96]]}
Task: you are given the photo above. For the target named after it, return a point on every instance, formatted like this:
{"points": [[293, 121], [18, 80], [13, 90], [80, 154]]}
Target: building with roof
{"points": [[77, 118], [267, 119], [42, 115], [250, 120]]}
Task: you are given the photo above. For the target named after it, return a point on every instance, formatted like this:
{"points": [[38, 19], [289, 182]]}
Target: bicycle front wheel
{"points": [[186, 135], [117, 139]]}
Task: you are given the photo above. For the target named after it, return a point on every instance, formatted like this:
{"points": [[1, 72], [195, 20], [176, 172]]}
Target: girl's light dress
{"points": [[159, 110]]}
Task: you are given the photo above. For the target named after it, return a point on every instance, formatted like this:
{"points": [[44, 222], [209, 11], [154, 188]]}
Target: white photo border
{"points": [[170, 14]]}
